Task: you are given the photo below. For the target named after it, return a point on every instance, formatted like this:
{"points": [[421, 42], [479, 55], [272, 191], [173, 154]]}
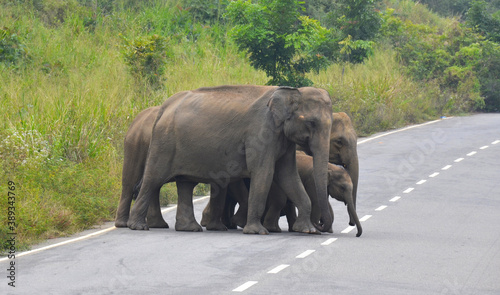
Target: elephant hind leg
{"points": [[217, 204], [155, 218], [184, 218]]}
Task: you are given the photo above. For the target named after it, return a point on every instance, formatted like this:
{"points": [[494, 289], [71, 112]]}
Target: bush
{"points": [[147, 57], [12, 49]]}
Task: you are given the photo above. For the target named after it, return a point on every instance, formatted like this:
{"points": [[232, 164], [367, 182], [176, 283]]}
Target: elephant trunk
{"points": [[352, 168], [320, 173], [353, 216]]}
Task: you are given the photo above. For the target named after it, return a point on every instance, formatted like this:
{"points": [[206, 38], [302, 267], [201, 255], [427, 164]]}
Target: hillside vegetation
{"points": [[74, 74]]}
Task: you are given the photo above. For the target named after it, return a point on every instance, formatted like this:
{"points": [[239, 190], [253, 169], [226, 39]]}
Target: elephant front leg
{"points": [[288, 179], [184, 218], [217, 202], [259, 189]]}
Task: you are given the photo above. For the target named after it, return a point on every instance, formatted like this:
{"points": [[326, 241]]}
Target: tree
{"points": [[358, 20], [278, 39]]}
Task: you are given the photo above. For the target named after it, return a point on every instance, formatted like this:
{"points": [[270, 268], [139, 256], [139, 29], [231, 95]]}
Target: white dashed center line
{"points": [[434, 174], [422, 181], [381, 208], [395, 199], [484, 147], [408, 190], [329, 241], [458, 160], [495, 142], [245, 286], [347, 230], [446, 167], [305, 254], [365, 218], [472, 153], [279, 268]]}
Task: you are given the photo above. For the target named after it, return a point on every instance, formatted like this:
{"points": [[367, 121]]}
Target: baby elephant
{"points": [[339, 187]]}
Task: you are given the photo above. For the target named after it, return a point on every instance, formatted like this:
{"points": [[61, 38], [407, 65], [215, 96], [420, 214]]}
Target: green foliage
{"points": [[358, 20], [147, 58], [482, 21], [452, 58], [207, 11], [278, 40], [12, 49]]}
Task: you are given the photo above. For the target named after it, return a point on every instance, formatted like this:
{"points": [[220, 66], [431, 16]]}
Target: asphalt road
{"points": [[429, 197]]}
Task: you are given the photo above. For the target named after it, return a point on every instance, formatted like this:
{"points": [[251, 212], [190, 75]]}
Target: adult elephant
{"points": [[221, 134], [343, 152], [339, 187]]}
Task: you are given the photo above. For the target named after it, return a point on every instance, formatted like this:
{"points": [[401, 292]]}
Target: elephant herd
{"points": [[269, 149]]}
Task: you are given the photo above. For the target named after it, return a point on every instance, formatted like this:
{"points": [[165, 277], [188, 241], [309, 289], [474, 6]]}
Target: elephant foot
{"points": [[239, 221], [157, 223], [305, 227], [188, 226], [137, 225], [203, 221], [273, 229], [216, 226], [255, 229], [121, 223]]}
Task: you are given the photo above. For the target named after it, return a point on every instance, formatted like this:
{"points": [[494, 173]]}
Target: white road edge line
{"points": [[279, 268], [329, 241], [381, 208], [402, 129], [103, 231], [245, 286], [305, 254], [396, 198]]}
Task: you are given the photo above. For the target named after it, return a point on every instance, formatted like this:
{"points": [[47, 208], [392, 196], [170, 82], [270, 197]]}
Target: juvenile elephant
{"points": [[339, 187], [222, 134]]}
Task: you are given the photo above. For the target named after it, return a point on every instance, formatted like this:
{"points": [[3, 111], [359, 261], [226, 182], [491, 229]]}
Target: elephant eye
{"points": [[311, 123]]}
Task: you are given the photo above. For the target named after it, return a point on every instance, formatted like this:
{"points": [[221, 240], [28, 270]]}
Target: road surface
{"points": [[429, 198]]}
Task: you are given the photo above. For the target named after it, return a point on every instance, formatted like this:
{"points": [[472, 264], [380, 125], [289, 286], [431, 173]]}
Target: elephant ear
{"points": [[283, 102]]}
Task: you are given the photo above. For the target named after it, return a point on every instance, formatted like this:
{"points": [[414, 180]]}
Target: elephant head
{"points": [[307, 120], [343, 150], [340, 187]]}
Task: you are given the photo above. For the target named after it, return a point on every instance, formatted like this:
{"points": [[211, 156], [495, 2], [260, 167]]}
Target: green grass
{"points": [[66, 107]]}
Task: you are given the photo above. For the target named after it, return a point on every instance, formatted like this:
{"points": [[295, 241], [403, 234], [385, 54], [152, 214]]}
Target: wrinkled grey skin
{"points": [[222, 134], [343, 152], [339, 187]]}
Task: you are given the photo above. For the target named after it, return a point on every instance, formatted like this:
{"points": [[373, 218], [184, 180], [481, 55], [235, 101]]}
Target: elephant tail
{"points": [[137, 188]]}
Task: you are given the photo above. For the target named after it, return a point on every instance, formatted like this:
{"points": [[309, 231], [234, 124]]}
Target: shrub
{"points": [[12, 49], [147, 57]]}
